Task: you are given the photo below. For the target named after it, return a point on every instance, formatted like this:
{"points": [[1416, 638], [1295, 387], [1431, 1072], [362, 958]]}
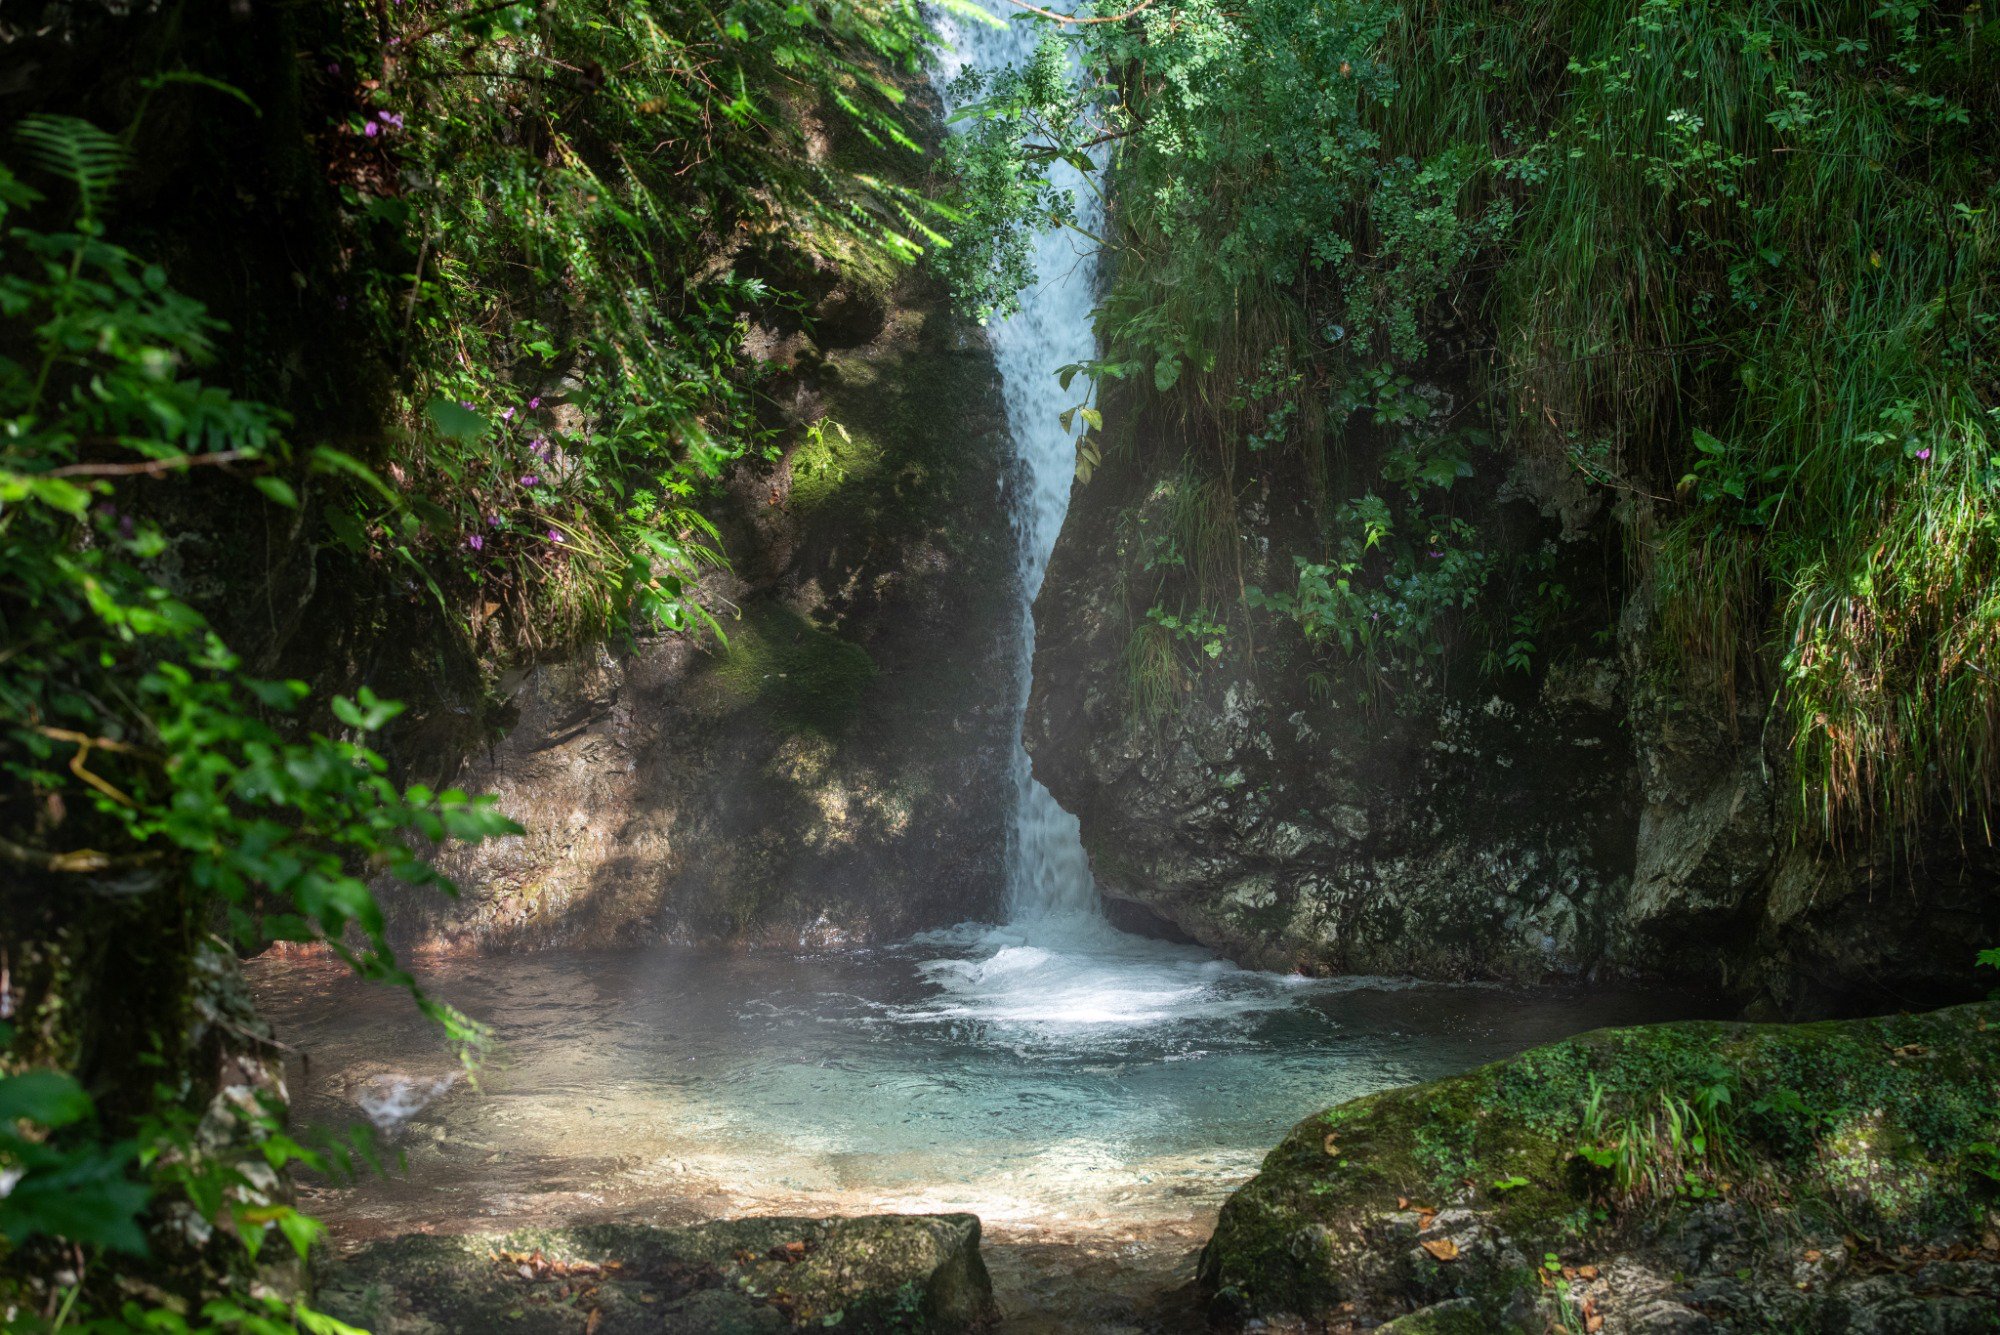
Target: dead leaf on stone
{"points": [[1444, 1249], [1813, 1254], [1402, 1202], [1587, 1271], [1331, 1145], [595, 1320], [1593, 1324]]}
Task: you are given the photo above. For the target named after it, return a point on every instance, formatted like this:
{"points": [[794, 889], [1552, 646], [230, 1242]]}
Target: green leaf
{"points": [[278, 491], [456, 422], [47, 1098]]}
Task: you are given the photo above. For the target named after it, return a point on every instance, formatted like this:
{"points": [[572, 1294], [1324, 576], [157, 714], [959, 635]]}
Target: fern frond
{"points": [[78, 152]]}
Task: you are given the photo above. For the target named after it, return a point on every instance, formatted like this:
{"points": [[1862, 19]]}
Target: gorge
{"points": [[979, 612]]}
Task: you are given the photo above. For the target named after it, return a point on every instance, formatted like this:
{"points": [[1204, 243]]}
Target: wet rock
{"points": [[735, 1277]]}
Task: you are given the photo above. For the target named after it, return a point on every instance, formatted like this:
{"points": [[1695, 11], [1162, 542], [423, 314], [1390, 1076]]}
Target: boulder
{"points": [[1839, 1176], [733, 1277]]}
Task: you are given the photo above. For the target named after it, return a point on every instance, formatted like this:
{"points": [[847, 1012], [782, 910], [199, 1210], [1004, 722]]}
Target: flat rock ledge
{"points": [[1697, 1179], [734, 1277]]}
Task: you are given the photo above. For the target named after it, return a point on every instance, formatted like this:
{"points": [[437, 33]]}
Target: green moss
{"points": [[1882, 1125], [801, 677], [831, 460]]}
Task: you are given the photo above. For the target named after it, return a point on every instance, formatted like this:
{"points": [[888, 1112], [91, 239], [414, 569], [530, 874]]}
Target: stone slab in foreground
{"points": [[735, 1277], [1840, 1177]]}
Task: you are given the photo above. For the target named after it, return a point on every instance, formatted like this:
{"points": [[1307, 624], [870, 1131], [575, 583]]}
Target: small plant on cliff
{"points": [[1673, 1144]]}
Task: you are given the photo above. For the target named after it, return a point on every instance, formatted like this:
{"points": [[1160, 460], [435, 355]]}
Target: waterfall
{"points": [[1048, 874]]}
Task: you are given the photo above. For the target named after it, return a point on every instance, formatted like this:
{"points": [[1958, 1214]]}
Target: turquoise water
{"points": [[1132, 1082]]}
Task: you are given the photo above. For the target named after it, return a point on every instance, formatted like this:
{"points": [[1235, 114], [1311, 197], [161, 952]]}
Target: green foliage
{"points": [[1738, 259], [142, 759], [569, 207], [80, 1191]]}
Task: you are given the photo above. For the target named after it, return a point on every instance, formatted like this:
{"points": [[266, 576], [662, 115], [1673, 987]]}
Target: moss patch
{"points": [[1868, 1138], [803, 678]]}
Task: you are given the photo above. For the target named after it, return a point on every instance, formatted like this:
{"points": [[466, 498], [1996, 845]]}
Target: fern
{"points": [[78, 152]]}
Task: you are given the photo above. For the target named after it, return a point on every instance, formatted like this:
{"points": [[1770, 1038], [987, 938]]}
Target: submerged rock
{"points": [[1690, 1177], [734, 1277]]}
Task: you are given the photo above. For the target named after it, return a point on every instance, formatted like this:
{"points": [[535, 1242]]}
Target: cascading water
{"points": [[1048, 875], [1057, 963]]}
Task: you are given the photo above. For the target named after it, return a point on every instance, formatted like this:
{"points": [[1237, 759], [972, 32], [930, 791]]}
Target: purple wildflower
{"points": [[371, 129], [392, 119], [535, 402], [540, 447], [507, 416], [530, 480], [493, 521], [1437, 556], [476, 541], [333, 67], [1924, 453], [555, 536]]}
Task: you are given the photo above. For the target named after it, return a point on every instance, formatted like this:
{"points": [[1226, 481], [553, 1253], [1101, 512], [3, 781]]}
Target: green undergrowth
{"points": [[1879, 1131], [1734, 263]]}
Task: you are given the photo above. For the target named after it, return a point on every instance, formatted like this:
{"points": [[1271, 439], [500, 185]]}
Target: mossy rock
{"points": [[1752, 1177], [802, 678], [735, 1277]]}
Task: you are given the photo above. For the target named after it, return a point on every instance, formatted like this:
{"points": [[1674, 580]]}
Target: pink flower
{"points": [[493, 521], [555, 536], [540, 447], [1924, 453], [530, 480], [371, 129], [535, 402], [475, 542], [507, 416]]}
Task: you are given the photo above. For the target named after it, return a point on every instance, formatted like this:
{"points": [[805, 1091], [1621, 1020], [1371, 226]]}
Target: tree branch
{"points": [[1075, 21], [150, 467]]}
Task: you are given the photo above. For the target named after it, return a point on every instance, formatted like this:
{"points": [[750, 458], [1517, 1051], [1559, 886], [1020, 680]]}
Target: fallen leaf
{"points": [[1444, 1249], [1594, 1324], [1402, 1202], [1813, 1254], [596, 1319], [1587, 1271], [1330, 1145]]}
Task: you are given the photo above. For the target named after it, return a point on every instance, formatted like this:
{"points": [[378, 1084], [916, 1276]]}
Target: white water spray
{"points": [[1057, 964]]}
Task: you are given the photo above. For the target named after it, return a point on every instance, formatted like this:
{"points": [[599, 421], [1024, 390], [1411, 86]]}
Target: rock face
{"points": [[1700, 1177], [1486, 833], [1592, 816], [833, 774], [736, 1277]]}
